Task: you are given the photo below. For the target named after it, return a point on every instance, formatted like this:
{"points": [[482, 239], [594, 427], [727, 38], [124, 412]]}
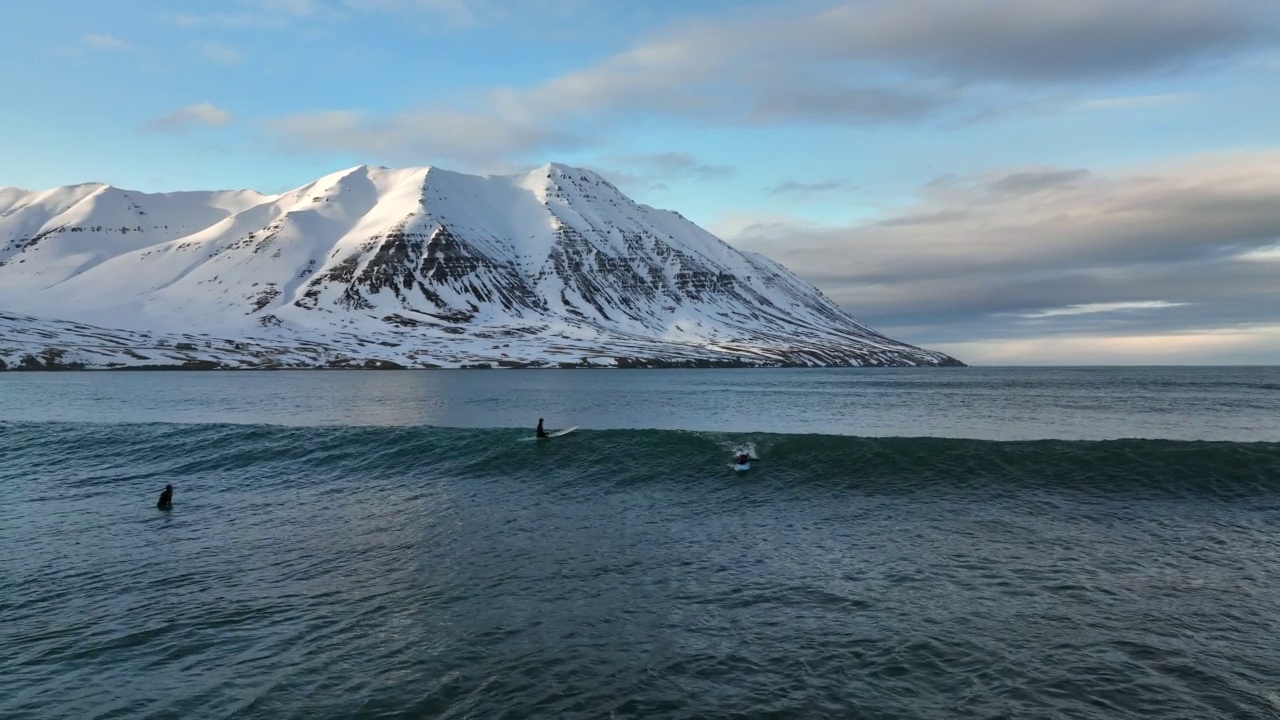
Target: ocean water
{"points": [[912, 543]]}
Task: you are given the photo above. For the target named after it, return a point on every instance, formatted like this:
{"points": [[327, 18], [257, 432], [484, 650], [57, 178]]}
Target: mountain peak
{"points": [[555, 170]]}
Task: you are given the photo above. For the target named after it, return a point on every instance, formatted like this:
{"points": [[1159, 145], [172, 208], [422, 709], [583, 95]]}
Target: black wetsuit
{"points": [[541, 433], [166, 498]]}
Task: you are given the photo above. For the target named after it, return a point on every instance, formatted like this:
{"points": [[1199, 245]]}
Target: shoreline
{"points": [[31, 364]]}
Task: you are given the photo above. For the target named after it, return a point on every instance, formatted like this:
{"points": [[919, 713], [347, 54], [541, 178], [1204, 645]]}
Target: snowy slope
{"points": [[415, 266]]}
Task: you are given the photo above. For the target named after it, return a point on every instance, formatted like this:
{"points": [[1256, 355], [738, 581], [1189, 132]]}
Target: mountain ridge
{"points": [[557, 262]]}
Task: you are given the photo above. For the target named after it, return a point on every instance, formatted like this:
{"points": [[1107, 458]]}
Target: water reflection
{"points": [[985, 403]]}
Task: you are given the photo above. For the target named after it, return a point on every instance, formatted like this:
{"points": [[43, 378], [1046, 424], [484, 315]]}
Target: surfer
{"points": [[541, 433], [742, 459], [166, 499]]}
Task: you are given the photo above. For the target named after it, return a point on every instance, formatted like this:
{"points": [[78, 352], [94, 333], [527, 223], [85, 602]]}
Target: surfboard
{"points": [[558, 433], [740, 467]]}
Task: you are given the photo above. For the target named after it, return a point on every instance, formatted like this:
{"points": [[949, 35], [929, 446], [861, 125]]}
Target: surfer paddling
{"points": [[541, 433], [166, 499]]}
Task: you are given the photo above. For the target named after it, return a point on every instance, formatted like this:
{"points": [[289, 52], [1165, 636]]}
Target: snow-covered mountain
{"points": [[417, 267]]}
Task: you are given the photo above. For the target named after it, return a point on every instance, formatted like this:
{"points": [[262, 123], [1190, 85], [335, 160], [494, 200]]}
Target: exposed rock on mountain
{"points": [[417, 267]]}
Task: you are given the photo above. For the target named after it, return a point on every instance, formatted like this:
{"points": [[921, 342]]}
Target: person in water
{"points": [[742, 459], [166, 498], [541, 433]]}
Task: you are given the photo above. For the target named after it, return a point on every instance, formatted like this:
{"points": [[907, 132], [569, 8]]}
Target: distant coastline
{"points": [[53, 363]]}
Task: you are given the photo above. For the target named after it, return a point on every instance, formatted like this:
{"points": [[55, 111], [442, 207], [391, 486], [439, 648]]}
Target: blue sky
{"points": [[1011, 181]]}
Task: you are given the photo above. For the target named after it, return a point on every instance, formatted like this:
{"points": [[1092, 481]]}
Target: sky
{"points": [[1013, 182]]}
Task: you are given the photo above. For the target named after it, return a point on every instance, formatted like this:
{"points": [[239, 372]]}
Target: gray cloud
{"points": [[1133, 101], [1032, 181], [792, 187], [937, 217], [678, 164], [639, 174], [1179, 248], [852, 105], [852, 62], [1040, 41]]}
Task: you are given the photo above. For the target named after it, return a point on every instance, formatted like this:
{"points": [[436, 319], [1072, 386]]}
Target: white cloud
{"points": [[263, 13], [184, 118], [1267, 254], [671, 165], [1091, 308], [106, 42], [424, 14], [849, 63], [290, 7], [219, 53], [455, 13], [426, 134], [1252, 345]]}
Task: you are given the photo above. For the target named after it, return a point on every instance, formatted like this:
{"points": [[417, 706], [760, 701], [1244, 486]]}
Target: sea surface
{"points": [[912, 543]]}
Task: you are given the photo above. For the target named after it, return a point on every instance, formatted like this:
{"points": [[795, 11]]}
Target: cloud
{"points": [[677, 164], [426, 14], [1135, 101], [1091, 308], [290, 7], [474, 137], [455, 13], [260, 13], [1267, 254], [1033, 181], [106, 42], [429, 15], [792, 187], [637, 174], [792, 100], [219, 53], [937, 217], [1021, 41], [1184, 247], [850, 63], [189, 116], [1254, 345]]}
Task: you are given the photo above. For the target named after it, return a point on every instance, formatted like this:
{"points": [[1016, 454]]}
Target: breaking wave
{"points": [[93, 457]]}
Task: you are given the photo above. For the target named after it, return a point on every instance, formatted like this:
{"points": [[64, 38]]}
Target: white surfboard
{"points": [[558, 433]]}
